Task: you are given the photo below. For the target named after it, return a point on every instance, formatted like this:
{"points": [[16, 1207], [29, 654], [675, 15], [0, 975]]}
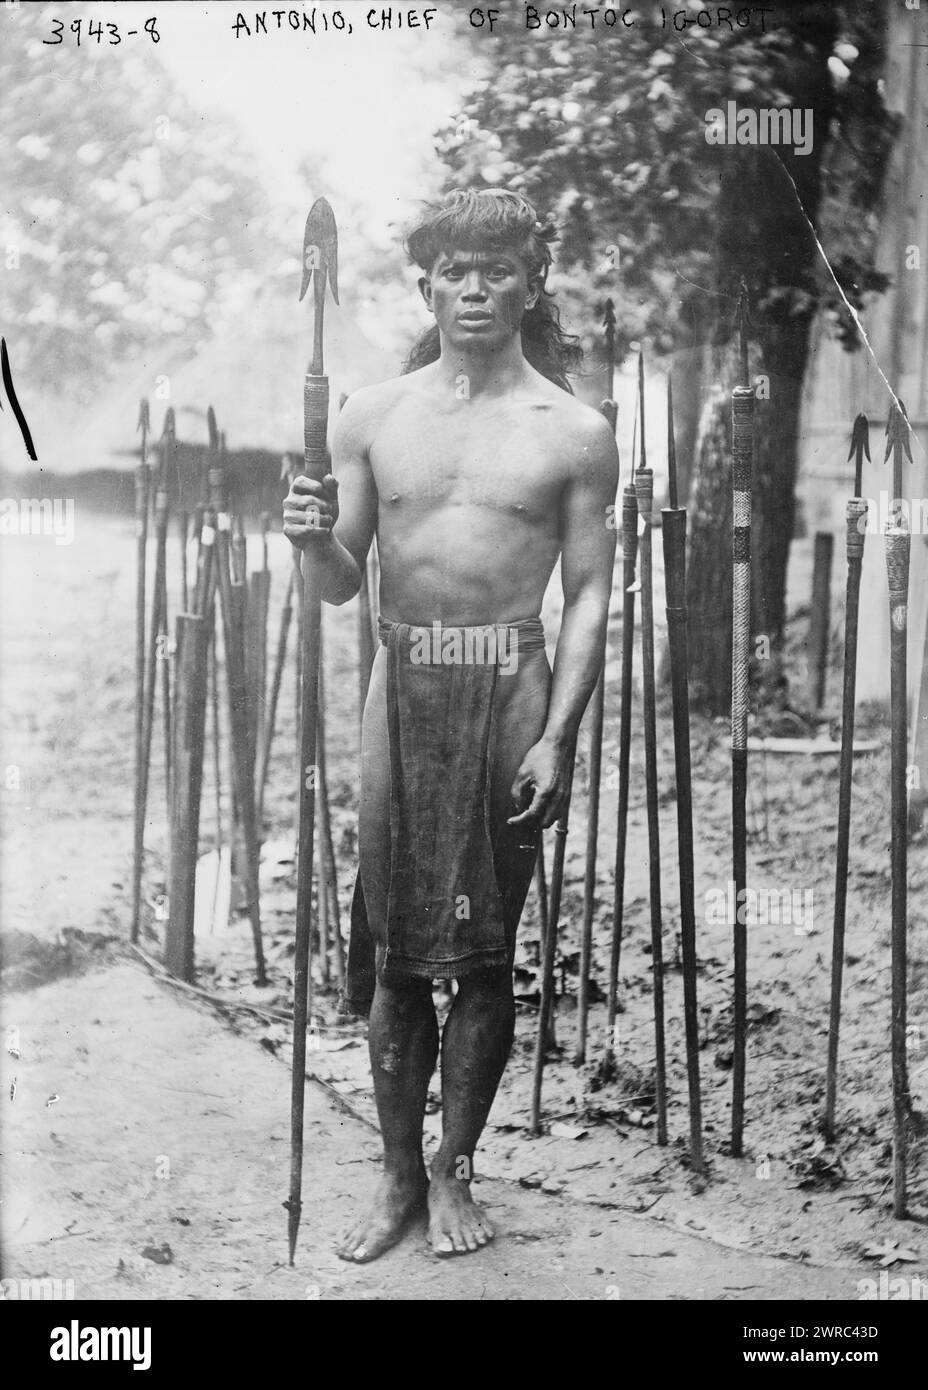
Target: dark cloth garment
{"points": [[445, 914]]}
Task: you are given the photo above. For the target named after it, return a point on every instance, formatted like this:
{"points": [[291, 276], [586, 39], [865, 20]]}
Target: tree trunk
{"points": [[708, 566]]}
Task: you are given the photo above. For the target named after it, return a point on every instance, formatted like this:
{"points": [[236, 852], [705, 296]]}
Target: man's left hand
{"points": [[542, 783]]}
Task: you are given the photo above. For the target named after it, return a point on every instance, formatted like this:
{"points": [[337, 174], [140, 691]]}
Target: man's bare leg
{"points": [[475, 1046], [403, 1042]]}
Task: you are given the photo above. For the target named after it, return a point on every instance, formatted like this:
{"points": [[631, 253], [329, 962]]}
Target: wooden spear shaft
{"points": [[673, 524], [597, 715], [644, 487], [320, 261], [629, 564], [856, 535], [142, 489], [270, 723], [898, 544], [742, 454], [550, 948]]}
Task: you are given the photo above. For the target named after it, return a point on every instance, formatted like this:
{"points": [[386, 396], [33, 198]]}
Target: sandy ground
{"points": [[112, 1151], [809, 1213]]}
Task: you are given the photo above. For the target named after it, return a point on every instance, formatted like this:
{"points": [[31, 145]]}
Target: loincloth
{"points": [[445, 912]]}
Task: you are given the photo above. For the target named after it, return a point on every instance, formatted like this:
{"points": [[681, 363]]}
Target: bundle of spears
{"points": [[636, 511], [219, 695]]}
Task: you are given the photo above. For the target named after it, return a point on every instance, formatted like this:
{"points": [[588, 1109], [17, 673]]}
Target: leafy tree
{"points": [[127, 218], [606, 131]]}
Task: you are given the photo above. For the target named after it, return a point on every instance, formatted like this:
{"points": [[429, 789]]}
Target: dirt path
{"points": [[181, 1140]]}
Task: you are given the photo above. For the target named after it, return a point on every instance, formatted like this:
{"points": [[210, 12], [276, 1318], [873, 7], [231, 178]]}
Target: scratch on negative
{"points": [[848, 305]]}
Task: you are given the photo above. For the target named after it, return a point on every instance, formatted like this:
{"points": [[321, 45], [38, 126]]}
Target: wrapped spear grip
{"points": [[898, 546], [644, 491], [630, 526], [315, 425], [218, 491], [856, 527]]}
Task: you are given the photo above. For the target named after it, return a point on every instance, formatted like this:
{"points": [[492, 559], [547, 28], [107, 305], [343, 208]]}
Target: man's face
{"points": [[478, 297]]}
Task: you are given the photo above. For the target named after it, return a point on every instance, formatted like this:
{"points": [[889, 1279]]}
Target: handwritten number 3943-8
{"points": [[95, 31]]}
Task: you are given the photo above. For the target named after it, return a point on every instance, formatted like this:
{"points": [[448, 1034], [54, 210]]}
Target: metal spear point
{"points": [[856, 534], [860, 445], [320, 263], [897, 443]]}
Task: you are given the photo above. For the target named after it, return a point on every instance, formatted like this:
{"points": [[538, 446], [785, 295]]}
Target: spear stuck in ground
{"points": [[673, 527], [629, 589], [742, 447], [644, 489], [597, 712], [169, 455], [898, 544], [156, 654], [232, 601], [270, 722], [320, 265], [856, 534], [142, 490], [545, 1010]]}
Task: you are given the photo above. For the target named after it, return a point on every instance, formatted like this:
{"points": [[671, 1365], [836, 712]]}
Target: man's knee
{"points": [[490, 988]]}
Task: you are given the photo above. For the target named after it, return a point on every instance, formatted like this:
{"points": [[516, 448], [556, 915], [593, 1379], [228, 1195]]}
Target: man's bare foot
{"points": [[395, 1204], [456, 1224]]}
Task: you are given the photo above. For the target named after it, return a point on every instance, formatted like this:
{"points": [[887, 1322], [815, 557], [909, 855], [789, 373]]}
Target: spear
{"points": [[169, 446], [898, 543], [142, 489], [673, 526], [597, 711], [156, 643], [232, 600], [644, 489], [630, 588], [856, 534], [742, 444], [320, 263], [545, 1011]]}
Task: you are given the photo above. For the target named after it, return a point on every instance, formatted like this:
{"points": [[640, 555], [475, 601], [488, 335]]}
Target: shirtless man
{"points": [[476, 473]]}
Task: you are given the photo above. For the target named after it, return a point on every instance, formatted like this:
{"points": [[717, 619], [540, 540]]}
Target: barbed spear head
{"points": [[860, 445], [898, 430], [860, 438], [320, 248]]}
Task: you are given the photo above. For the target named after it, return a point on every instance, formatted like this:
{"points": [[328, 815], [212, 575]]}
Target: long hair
{"points": [[495, 219]]}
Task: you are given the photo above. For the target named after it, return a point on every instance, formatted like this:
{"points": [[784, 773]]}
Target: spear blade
{"points": [[860, 445], [320, 248]]}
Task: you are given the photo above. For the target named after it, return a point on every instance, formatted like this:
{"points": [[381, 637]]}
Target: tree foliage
{"points": [[127, 218], [606, 131]]}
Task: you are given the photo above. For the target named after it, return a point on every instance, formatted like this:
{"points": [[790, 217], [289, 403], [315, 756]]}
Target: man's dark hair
{"points": [[496, 220]]}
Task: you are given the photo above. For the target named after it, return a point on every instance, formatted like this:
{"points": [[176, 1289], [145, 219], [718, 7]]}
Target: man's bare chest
{"points": [[491, 463]]}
